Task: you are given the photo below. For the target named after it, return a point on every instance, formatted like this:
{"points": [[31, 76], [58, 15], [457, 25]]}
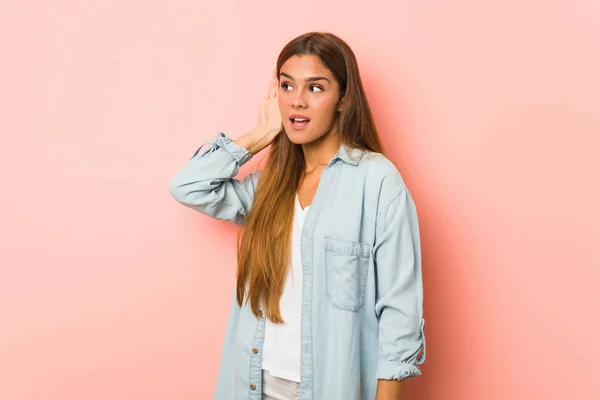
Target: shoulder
{"points": [[383, 176]]}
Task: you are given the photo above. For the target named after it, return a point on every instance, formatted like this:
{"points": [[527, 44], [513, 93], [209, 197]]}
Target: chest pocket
{"points": [[346, 266]]}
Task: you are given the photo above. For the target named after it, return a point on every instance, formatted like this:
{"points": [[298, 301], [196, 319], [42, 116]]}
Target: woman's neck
{"points": [[321, 151]]}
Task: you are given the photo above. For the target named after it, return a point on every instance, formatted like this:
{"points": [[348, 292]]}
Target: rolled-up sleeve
{"points": [[399, 303], [206, 183]]}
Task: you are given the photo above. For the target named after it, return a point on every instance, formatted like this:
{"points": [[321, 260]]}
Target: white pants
{"points": [[275, 388]]}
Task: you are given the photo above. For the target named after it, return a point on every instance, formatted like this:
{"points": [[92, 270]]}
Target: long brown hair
{"points": [[265, 240]]}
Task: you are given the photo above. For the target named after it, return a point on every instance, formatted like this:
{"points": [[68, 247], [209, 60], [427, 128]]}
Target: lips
{"points": [[299, 118], [298, 121]]}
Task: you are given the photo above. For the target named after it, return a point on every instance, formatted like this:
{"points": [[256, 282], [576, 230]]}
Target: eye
{"points": [[320, 89], [284, 85]]}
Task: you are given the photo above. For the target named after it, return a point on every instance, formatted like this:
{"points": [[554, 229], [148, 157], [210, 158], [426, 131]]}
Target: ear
{"points": [[339, 108]]}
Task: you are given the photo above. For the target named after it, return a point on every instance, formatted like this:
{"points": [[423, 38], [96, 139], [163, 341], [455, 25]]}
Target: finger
{"points": [[276, 81], [274, 87], [268, 89]]}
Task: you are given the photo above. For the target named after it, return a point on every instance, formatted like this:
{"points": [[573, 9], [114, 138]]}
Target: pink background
{"points": [[111, 290]]}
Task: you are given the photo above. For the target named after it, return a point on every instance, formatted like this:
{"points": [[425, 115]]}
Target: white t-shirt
{"points": [[281, 348]]}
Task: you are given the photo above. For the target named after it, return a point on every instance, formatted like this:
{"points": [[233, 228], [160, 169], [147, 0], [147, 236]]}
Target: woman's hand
{"points": [[269, 116], [269, 121]]}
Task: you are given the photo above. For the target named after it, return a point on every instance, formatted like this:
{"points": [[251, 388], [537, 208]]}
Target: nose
{"points": [[299, 101]]}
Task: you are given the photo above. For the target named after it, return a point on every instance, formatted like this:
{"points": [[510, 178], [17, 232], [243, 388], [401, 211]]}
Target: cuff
{"points": [[397, 370], [391, 370], [240, 154]]}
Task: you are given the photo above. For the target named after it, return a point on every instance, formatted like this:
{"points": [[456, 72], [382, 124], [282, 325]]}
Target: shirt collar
{"points": [[349, 155]]}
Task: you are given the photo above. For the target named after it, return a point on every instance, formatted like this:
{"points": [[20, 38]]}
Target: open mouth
{"points": [[299, 122]]}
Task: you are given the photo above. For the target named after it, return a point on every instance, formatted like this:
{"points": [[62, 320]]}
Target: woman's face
{"points": [[308, 98]]}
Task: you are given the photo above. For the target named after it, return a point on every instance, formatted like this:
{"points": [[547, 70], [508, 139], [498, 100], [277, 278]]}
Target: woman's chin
{"points": [[296, 137]]}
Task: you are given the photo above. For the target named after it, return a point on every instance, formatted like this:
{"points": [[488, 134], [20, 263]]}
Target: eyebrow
{"points": [[310, 79]]}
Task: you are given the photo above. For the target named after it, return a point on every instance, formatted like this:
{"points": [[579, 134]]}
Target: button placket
{"points": [[255, 356]]}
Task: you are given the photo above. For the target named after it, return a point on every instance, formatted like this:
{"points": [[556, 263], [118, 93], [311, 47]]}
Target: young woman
{"points": [[329, 296]]}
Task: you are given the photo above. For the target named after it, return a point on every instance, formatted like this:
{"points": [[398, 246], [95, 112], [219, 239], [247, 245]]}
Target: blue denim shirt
{"points": [[362, 294]]}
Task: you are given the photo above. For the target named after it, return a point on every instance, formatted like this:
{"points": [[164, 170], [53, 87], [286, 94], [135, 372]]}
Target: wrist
{"points": [[256, 139], [262, 131]]}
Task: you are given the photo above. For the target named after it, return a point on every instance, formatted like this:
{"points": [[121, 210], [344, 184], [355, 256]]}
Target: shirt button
{"points": [[255, 351], [253, 387]]}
